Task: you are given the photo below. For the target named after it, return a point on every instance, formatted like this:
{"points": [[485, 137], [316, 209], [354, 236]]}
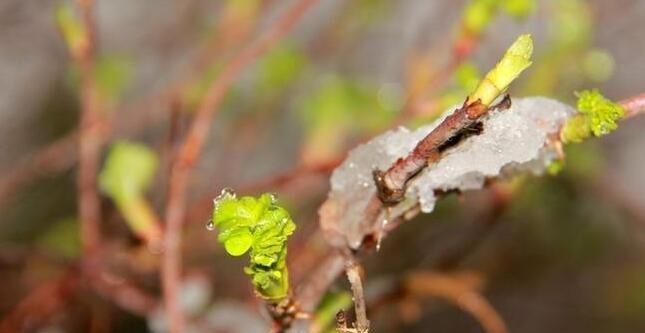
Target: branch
{"points": [[392, 183], [633, 105], [191, 148], [90, 136], [353, 271]]}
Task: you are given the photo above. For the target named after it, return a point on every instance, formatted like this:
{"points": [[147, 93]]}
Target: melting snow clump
{"points": [[514, 140]]}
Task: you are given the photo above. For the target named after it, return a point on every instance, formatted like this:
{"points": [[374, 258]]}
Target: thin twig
{"points": [[40, 303], [90, 137], [55, 157], [634, 105], [353, 271], [391, 184], [451, 289], [192, 147]]}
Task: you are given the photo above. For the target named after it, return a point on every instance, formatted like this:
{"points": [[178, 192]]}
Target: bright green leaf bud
{"points": [[516, 59], [598, 116], [261, 227]]}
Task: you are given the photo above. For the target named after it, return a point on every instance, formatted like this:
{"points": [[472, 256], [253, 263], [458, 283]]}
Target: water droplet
{"points": [[210, 226], [227, 192], [384, 222], [274, 198]]}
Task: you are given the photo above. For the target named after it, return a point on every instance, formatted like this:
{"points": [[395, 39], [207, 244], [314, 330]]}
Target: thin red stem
{"points": [[634, 105], [90, 138]]}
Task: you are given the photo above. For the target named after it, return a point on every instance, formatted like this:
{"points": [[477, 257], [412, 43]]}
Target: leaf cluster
{"points": [[261, 227]]}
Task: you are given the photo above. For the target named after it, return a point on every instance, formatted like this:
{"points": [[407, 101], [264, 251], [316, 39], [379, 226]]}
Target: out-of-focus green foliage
{"points": [[126, 175], [340, 107], [112, 74], [468, 76], [62, 238], [279, 68], [598, 116], [194, 93], [561, 66], [328, 308], [516, 59], [128, 170], [261, 226], [518, 9], [559, 224], [572, 23], [598, 65], [340, 101], [584, 161], [478, 14], [71, 28]]}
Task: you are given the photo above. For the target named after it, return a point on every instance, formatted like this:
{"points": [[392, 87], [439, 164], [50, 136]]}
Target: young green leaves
{"points": [[598, 116], [261, 227], [516, 59], [126, 175]]}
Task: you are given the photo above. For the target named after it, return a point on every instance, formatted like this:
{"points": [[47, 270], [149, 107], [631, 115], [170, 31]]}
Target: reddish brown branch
{"points": [[391, 184], [192, 147], [462, 295], [90, 137], [353, 271], [56, 157], [634, 105], [39, 304]]}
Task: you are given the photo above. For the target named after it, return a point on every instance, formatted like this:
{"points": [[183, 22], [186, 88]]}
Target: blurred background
{"points": [[556, 253]]}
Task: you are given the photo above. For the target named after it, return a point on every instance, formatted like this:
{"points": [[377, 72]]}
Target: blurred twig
{"points": [[62, 154], [40, 303], [90, 136], [192, 146], [634, 105], [458, 292]]}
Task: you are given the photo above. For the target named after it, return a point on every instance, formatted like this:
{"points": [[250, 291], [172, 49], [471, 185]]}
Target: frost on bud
{"points": [[597, 116], [516, 59]]}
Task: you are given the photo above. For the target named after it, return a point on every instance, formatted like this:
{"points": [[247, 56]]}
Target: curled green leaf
{"points": [[261, 227], [598, 116]]}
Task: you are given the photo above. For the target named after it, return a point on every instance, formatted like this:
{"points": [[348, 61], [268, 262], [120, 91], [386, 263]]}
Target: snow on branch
{"points": [[523, 138]]}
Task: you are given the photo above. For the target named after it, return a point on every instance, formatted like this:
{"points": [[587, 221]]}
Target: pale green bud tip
{"points": [[516, 59], [522, 47]]}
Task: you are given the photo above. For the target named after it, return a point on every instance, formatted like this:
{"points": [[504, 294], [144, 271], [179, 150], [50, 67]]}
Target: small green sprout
{"points": [[597, 116], [71, 28], [516, 59], [261, 227], [126, 175]]}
